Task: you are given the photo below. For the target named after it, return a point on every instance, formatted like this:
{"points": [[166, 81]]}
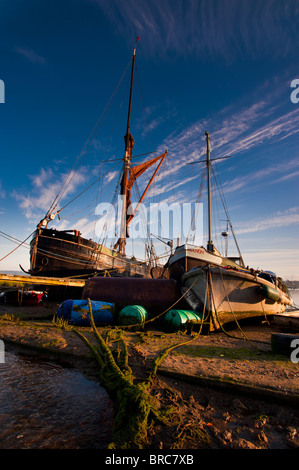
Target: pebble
{"points": [[239, 405], [291, 432], [262, 437]]}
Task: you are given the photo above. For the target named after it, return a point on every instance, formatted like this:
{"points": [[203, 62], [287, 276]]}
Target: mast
{"points": [[210, 245], [131, 173], [129, 143]]}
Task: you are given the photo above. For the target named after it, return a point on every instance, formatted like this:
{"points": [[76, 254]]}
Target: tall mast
{"points": [[129, 143], [130, 100], [210, 246]]}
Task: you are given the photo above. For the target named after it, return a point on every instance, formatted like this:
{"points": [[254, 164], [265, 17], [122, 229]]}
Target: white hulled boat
{"points": [[221, 286]]}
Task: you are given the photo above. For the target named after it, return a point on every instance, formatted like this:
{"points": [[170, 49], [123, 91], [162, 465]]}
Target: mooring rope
{"points": [[235, 318]]}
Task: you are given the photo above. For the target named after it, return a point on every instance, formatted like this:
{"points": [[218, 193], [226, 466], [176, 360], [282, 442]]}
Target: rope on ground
{"points": [[164, 353], [134, 406], [160, 314]]}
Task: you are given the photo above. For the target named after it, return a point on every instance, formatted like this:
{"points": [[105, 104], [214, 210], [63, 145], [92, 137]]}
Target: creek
{"points": [[48, 406]]}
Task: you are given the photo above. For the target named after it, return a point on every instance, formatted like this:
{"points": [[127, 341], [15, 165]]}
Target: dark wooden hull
{"points": [[57, 253]]}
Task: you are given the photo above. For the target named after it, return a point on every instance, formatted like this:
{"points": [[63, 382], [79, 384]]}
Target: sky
{"points": [[228, 67]]}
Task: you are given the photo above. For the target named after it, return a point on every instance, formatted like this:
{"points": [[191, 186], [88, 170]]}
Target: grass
{"points": [[12, 284], [10, 317], [227, 353], [189, 436], [52, 343], [60, 322], [236, 354]]}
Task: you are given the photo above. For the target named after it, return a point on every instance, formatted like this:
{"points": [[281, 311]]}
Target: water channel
{"points": [[47, 406]]}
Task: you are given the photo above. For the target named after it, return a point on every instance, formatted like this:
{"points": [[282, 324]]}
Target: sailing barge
{"points": [[64, 253]]}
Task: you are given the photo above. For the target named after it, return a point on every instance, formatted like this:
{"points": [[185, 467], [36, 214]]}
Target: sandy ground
{"points": [[230, 387]]}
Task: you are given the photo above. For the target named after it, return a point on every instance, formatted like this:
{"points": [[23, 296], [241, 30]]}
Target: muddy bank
{"points": [[225, 391]]}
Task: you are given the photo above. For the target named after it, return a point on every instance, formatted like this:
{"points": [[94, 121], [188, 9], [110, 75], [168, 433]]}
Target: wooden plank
{"points": [[288, 320], [47, 281]]}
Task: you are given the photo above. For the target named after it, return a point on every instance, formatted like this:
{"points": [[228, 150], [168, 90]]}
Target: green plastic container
{"points": [[268, 292], [175, 320], [132, 315]]}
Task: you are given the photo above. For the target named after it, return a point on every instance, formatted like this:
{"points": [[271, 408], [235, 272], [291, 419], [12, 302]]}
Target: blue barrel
{"points": [[132, 315], [77, 312], [175, 320]]}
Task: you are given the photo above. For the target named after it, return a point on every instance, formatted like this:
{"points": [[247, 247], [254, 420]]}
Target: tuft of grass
{"points": [[10, 317], [60, 322], [225, 353], [191, 436]]}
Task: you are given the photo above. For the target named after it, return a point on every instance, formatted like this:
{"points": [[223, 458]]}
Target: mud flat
{"points": [[225, 390]]}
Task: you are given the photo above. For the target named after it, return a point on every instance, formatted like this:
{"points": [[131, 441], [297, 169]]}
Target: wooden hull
{"points": [[289, 321], [56, 253], [154, 294], [227, 295]]}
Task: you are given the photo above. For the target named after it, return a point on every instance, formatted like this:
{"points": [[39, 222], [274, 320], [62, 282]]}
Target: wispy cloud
{"points": [[207, 27], [44, 189], [30, 55], [266, 175], [111, 176], [288, 176], [2, 192], [237, 130], [279, 219]]}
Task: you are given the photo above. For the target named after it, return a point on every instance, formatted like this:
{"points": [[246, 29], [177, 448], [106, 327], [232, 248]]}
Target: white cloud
{"points": [[45, 187], [110, 176]]}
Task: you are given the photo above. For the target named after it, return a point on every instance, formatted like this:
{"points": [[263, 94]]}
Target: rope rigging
{"points": [[19, 245], [215, 202], [55, 208], [86, 189], [226, 210]]}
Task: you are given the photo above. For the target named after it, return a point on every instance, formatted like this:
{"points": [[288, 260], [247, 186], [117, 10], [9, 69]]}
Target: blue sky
{"points": [[223, 66]]}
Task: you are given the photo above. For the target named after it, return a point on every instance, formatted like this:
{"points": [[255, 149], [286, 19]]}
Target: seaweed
{"points": [[136, 410]]}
